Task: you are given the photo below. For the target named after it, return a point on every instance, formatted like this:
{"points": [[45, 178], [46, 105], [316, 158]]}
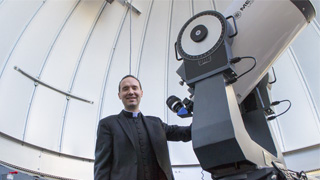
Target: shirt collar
{"points": [[131, 114]]}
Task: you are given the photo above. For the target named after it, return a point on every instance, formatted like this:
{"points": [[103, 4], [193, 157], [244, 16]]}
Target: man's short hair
{"points": [[131, 77]]}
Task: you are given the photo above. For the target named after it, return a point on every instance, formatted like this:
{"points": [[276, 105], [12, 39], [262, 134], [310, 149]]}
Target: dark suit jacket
{"points": [[115, 155]]}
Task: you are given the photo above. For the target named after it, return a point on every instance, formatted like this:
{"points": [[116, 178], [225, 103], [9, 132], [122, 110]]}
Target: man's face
{"points": [[130, 94]]}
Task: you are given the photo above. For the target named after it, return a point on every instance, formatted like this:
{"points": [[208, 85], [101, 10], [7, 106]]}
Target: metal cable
{"points": [[130, 38]]}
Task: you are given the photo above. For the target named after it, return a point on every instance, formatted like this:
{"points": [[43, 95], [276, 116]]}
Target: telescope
{"points": [[225, 59]]}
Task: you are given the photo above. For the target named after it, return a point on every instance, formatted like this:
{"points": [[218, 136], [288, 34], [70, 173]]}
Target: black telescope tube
{"points": [[306, 9]]}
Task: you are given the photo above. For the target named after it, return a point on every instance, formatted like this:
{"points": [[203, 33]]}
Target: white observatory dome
{"points": [[61, 63]]}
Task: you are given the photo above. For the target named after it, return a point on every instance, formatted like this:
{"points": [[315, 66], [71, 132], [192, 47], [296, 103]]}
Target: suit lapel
{"points": [[151, 132], [126, 127]]}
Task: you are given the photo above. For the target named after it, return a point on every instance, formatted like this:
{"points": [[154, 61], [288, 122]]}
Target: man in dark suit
{"points": [[131, 146]]}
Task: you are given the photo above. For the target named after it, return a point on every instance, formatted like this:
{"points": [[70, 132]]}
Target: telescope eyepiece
{"points": [[174, 103]]}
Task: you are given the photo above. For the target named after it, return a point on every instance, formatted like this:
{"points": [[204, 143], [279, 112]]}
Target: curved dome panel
{"points": [[69, 57], [67, 49]]}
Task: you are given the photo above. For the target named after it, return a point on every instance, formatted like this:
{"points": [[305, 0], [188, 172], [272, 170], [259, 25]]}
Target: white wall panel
{"points": [[79, 131], [89, 83], [34, 45], [221, 5], [14, 17], [45, 119], [83, 133], [139, 26], [153, 61], [18, 154], [65, 167], [15, 94], [316, 4], [64, 57], [300, 119], [62, 64], [48, 163], [28, 55], [308, 159], [308, 59], [202, 5]]}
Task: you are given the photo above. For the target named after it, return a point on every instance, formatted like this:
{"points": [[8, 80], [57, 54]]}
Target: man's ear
{"points": [[141, 93], [119, 95]]}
